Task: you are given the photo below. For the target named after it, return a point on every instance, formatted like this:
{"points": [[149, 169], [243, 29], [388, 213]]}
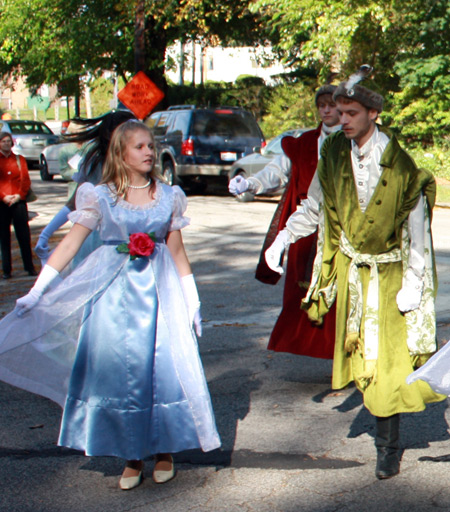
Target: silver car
{"points": [[30, 138], [54, 160], [251, 164]]}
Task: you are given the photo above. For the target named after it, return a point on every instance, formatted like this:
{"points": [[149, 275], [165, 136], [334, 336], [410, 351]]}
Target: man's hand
{"points": [[238, 185], [276, 250], [410, 295]]}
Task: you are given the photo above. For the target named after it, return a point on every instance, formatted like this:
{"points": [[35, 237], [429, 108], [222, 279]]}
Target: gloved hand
{"points": [[27, 302], [410, 295], [41, 249], [238, 185], [276, 250], [193, 302]]}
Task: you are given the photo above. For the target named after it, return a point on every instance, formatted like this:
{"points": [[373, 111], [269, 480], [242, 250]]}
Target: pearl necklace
{"points": [[141, 186]]}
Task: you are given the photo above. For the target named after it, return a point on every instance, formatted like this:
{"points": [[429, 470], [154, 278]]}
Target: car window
{"points": [[152, 120], [31, 128], [274, 146], [224, 122], [181, 123], [162, 124]]}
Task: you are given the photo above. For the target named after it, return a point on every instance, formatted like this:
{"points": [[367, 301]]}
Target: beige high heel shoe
{"points": [[164, 468], [130, 482]]}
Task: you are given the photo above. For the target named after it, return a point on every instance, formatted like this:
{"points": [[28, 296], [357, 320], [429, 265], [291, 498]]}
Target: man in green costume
{"points": [[375, 258]]}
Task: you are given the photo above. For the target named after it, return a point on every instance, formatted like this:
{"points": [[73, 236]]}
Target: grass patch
{"points": [[443, 193]]}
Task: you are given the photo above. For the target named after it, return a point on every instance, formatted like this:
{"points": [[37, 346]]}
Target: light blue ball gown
{"points": [[112, 342]]}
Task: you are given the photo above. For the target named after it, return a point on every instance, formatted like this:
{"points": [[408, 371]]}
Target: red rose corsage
{"points": [[141, 245]]}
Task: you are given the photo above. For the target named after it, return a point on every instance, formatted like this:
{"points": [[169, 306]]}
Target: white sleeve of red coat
{"points": [[272, 177], [304, 221]]}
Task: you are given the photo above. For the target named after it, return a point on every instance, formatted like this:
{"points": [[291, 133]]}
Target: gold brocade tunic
{"points": [[376, 231]]}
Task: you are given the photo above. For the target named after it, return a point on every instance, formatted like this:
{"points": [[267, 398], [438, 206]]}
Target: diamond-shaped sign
{"points": [[140, 95]]}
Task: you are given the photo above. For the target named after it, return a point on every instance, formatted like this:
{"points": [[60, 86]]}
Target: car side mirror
{"points": [[257, 149]]}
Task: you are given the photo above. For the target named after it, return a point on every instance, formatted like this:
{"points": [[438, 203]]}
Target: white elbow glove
{"points": [[238, 185], [41, 249], [193, 302], [276, 250], [410, 295], [24, 304]]}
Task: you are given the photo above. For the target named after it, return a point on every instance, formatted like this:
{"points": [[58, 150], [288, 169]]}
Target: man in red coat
{"points": [[293, 331]]}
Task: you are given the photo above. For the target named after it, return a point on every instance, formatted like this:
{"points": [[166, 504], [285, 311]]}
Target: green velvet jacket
{"points": [[376, 231]]}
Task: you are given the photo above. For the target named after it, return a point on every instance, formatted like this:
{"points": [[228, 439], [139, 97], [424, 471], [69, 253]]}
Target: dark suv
{"points": [[194, 142]]}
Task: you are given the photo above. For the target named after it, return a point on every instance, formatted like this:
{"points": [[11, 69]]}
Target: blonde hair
{"points": [[115, 169]]}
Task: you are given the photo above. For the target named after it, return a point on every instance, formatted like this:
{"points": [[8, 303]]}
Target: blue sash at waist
{"points": [[118, 242]]}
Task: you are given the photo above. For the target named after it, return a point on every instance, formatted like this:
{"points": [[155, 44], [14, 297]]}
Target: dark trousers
{"points": [[17, 214]]}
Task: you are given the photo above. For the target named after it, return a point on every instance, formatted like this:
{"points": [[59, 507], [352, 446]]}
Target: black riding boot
{"points": [[386, 442]]}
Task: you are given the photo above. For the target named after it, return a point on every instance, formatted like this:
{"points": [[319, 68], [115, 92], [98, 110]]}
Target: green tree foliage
{"points": [[290, 106], [329, 35], [57, 41], [421, 106], [407, 43]]}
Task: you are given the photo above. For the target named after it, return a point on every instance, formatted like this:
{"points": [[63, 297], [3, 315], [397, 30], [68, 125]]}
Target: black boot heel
{"points": [[386, 442]]}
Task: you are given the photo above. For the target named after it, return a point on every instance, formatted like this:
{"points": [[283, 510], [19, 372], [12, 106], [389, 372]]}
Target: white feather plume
{"points": [[362, 73]]}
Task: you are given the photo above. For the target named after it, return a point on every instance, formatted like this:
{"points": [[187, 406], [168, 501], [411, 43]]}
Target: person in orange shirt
{"points": [[14, 186]]}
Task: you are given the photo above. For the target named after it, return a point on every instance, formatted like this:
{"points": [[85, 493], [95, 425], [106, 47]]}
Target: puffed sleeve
{"points": [[88, 212], [179, 221]]}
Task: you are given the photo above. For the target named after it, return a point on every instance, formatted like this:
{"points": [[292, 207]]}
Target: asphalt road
{"points": [[290, 443]]}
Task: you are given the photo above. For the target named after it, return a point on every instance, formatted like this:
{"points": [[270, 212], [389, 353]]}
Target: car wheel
{"points": [[43, 167], [168, 172], [197, 185], [246, 197]]}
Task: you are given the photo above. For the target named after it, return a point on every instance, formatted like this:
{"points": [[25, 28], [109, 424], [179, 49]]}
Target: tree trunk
{"points": [[155, 54], [77, 104], [181, 64], [193, 62], [139, 37]]}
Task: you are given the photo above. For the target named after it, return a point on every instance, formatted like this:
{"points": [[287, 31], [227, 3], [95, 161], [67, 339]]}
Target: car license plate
{"points": [[228, 156]]}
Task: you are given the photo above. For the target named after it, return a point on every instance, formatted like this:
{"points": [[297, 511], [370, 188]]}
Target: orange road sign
{"points": [[140, 95]]}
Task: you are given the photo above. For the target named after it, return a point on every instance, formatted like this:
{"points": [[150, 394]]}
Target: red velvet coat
{"points": [[293, 331]]}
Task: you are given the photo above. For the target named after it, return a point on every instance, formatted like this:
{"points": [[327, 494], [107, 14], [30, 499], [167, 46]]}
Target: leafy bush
{"points": [[435, 159], [102, 92], [249, 81], [276, 108], [290, 106], [250, 96]]}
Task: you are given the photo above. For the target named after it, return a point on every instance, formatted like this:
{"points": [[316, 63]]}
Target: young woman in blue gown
{"points": [[114, 342]]}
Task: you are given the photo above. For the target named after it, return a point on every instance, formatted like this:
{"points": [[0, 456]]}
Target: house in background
{"points": [[16, 97], [195, 63]]}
